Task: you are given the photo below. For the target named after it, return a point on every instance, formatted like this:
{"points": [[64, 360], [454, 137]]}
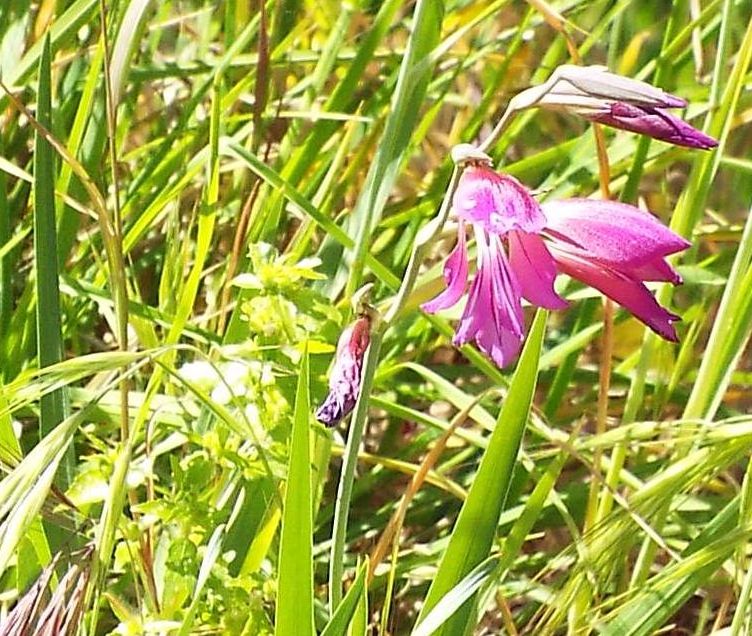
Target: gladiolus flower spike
{"points": [[344, 382], [522, 246]]}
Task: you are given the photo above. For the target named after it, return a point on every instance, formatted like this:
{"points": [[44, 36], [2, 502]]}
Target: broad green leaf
{"points": [[475, 528], [294, 614]]}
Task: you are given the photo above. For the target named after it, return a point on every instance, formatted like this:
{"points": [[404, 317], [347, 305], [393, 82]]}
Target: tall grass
{"points": [[191, 194]]}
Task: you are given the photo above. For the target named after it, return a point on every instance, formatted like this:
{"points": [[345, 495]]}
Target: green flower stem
{"points": [[357, 426], [344, 490]]}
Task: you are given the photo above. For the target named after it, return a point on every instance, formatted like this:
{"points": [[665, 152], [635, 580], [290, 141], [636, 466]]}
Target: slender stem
{"points": [[344, 490], [499, 128]]}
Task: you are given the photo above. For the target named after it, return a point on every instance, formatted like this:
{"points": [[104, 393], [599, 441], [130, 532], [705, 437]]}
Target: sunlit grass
{"points": [[261, 163]]}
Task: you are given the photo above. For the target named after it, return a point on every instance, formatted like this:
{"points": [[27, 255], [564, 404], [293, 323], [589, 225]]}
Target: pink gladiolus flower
{"points": [[521, 246], [344, 382]]}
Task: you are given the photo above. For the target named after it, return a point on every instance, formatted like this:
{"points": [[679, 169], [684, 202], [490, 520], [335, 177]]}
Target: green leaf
{"points": [[294, 616], [345, 611], [454, 599], [49, 330], [475, 530], [667, 592]]}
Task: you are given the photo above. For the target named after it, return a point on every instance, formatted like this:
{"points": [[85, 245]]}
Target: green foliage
{"points": [[179, 250]]}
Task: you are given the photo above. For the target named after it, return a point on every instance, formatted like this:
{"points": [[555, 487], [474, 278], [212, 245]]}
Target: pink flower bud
{"points": [[344, 382]]}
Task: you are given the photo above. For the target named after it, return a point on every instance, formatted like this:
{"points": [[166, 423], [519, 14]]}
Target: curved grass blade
{"points": [[662, 597], [410, 92], [345, 611], [474, 532], [126, 41], [294, 616], [24, 490], [455, 597]]}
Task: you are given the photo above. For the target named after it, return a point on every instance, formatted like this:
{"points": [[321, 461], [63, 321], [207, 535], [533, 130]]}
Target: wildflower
{"points": [[344, 382], [613, 247], [607, 98]]}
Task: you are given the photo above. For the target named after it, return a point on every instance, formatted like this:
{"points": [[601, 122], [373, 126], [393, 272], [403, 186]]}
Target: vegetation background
{"points": [[190, 194]]}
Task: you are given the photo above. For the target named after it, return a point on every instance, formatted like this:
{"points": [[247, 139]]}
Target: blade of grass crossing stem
{"points": [[410, 92], [64, 25], [455, 597], [475, 529], [344, 95], [345, 611], [332, 229], [49, 329], [68, 218], [294, 615], [206, 224]]}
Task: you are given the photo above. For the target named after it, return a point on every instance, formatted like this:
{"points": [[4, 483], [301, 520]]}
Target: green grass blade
{"points": [[410, 92], [345, 611], [24, 490], [64, 26], [455, 597], [6, 291], [662, 598], [213, 549], [361, 619], [475, 529], [127, 39], [336, 232], [731, 330], [49, 330], [294, 615]]}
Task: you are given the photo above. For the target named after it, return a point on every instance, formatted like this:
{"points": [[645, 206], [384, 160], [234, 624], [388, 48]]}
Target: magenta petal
{"points": [[655, 123], [493, 314], [657, 270], [499, 202], [626, 291], [455, 275], [616, 234], [535, 269]]}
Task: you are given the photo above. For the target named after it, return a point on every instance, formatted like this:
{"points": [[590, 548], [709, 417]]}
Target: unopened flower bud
{"points": [[344, 382], [593, 92]]}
